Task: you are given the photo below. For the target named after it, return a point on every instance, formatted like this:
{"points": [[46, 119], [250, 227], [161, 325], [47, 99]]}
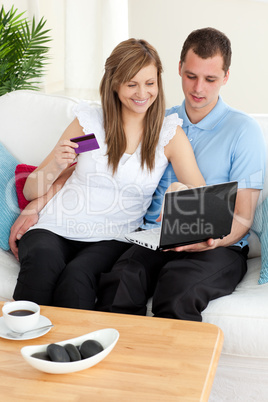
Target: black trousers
{"points": [[182, 284], [60, 272]]}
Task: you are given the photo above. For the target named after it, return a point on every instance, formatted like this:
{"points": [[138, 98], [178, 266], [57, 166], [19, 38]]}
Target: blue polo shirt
{"points": [[228, 145]]}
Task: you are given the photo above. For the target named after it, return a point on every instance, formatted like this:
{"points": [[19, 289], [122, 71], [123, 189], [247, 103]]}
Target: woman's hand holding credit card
{"points": [[85, 143]]}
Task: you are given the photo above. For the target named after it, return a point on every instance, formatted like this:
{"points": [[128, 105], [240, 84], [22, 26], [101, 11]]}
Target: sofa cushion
{"points": [[260, 227], [21, 173], [32, 122], [8, 197], [243, 315], [263, 122], [9, 270], [254, 245]]}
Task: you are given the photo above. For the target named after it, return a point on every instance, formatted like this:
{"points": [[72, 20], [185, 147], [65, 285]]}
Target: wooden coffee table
{"points": [[154, 359]]}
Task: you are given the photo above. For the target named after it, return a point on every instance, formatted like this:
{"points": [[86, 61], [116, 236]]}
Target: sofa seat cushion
{"points": [[9, 269], [243, 315]]}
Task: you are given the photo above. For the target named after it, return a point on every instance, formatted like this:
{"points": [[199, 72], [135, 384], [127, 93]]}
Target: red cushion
{"points": [[22, 171]]}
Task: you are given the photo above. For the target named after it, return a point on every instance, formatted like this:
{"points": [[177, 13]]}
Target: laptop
{"points": [[191, 216]]}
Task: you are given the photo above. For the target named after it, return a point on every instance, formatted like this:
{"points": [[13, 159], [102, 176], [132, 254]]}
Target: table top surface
{"points": [[155, 359]]}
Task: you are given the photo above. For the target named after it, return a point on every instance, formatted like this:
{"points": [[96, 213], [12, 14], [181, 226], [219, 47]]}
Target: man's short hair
{"points": [[208, 42]]}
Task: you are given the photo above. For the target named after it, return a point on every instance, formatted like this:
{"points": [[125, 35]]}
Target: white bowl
{"points": [[107, 337]]}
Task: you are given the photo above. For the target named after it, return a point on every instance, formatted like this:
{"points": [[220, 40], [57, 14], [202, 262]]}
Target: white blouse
{"points": [[96, 205]]}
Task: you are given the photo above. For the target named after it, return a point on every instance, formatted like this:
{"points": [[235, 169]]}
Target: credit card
{"points": [[86, 143]]}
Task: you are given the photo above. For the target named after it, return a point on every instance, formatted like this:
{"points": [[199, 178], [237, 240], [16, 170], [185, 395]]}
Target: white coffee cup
{"points": [[21, 315]]}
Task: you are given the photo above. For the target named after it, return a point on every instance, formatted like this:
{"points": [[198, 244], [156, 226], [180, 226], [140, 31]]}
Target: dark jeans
{"points": [[61, 272], [182, 284]]}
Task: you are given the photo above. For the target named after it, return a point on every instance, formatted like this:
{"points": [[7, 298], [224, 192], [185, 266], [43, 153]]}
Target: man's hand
{"points": [[27, 219], [245, 206], [196, 247]]}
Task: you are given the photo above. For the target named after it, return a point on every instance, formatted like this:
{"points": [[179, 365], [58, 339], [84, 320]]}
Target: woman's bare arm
{"points": [[60, 158], [29, 216]]}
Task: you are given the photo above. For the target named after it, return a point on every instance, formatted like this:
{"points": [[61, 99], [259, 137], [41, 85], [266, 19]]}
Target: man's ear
{"points": [[180, 68], [226, 77]]}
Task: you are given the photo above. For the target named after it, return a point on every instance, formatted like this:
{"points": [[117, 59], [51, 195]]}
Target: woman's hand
{"points": [[176, 186], [59, 159], [64, 153]]}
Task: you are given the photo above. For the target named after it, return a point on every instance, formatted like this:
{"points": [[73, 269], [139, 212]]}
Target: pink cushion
{"points": [[21, 173]]}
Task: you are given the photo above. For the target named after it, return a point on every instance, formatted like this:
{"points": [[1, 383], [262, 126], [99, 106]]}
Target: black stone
{"points": [[73, 352], [90, 348], [42, 356], [57, 353]]}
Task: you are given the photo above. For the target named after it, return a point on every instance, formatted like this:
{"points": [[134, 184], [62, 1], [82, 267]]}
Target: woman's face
{"points": [[140, 92]]}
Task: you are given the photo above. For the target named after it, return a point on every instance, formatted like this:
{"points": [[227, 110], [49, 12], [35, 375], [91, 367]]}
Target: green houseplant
{"points": [[23, 51]]}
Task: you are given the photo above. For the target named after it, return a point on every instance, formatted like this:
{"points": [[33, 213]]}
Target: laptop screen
{"points": [[197, 214]]}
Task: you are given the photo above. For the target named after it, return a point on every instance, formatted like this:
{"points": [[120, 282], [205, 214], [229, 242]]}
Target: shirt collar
{"points": [[211, 120]]}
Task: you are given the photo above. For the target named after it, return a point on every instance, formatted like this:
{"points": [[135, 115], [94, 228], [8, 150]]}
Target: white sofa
{"points": [[30, 124]]}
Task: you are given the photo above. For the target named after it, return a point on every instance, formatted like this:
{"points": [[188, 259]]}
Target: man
{"points": [[228, 146]]}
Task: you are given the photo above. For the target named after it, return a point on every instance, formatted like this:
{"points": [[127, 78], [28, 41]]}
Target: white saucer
{"points": [[4, 330]]}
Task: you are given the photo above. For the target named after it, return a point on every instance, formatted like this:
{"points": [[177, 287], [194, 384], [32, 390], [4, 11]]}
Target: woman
{"points": [[80, 232]]}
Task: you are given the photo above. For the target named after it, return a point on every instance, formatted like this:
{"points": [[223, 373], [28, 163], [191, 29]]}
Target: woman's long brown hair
{"points": [[124, 63]]}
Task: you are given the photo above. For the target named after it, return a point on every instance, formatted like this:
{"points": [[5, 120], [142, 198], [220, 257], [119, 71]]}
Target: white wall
{"points": [[54, 12], [84, 33], [166, 24]]}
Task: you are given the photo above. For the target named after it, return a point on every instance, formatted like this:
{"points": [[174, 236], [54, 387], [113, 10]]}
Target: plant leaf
{"points": [[23, 51]]}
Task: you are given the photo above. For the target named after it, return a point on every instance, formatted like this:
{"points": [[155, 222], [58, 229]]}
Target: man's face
{"points": [[201, 83]]}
